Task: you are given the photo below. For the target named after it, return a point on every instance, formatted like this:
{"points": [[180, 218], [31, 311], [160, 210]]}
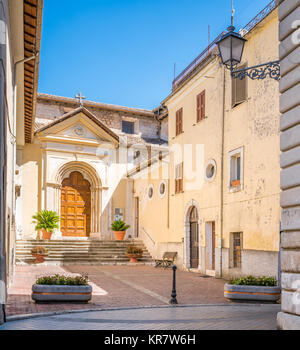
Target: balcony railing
{"points": [[261, 16], [196, 62]]}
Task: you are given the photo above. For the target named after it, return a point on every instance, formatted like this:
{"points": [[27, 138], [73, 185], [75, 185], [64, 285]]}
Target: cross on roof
{"points": [[80, 98]]}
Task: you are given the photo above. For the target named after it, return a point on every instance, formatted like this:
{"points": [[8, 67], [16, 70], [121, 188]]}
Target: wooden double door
{"points": [[76, 206]]}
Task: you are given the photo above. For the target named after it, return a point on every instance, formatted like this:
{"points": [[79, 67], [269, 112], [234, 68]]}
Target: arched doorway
{"points": [[90, 174], [75, 206], [194, 238]]}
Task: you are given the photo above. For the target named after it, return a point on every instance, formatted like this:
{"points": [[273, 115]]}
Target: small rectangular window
{"points": [[179, 178], [127, 127], [119, 214], [239, 89], [236, 250], [236, 168], [201, 106], [136, 155], [179, 128]]}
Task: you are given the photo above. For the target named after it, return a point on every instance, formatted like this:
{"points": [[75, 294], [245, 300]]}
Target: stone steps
{"points": [[81, 252], [80, 255], [74, 252], [81, 243], [75, 248], [30, 259]]}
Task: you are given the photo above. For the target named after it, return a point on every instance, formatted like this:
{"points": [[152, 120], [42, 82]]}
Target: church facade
{"points": [[77, 165]]}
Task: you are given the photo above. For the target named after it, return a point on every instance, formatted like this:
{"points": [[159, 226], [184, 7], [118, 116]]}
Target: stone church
{"points": [[77, 165]]}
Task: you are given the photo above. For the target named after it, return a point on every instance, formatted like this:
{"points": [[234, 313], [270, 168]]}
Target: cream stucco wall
{"points": [[252, 126], [153, 213], [30, 187], [12, 104]]}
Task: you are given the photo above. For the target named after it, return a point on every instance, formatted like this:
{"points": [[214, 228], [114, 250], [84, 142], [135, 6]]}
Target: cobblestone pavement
{"points": [[117, 286], [204, 317]]}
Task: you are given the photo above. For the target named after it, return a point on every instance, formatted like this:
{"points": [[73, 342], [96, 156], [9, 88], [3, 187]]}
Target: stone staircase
{"points": [[81, 252]]}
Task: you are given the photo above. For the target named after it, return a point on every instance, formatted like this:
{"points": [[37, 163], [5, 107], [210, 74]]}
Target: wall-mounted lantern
{"points": [[231, 48]]}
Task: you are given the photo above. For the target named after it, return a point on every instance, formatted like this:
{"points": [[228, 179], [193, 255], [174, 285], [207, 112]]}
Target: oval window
{"points": [[150, 192], [210, 171], [162, 188]]}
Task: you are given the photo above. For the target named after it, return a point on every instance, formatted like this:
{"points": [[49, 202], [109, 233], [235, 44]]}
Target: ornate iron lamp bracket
{"points": [[260, 72]]}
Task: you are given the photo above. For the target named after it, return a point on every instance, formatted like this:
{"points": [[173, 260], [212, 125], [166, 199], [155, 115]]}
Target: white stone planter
{"points": [[251, 293], [55, 293]]}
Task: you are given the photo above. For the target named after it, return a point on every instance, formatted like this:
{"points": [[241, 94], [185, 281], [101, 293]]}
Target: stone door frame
{"points": [[187, 231], [90, 174]]}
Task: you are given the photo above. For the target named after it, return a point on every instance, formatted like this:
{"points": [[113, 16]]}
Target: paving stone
{"points": [[122, 286], [209, 317]]}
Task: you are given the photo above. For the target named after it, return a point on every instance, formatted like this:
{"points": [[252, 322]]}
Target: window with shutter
{"points": [[236, 247], [239, 90], [198, 108], [179, 128], [179, 178], [201, 106]]}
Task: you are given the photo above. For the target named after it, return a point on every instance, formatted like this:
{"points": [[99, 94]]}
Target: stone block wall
{"points": [[147, 126], [289, 50]]}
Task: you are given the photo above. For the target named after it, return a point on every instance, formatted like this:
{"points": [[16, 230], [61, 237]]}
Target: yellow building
{"points": [[220, 210]]}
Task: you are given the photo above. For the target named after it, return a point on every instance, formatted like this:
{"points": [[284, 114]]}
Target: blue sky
{"points": [[123, 51]]}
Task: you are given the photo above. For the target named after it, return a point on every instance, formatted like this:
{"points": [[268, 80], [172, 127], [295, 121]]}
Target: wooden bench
{"points": [[167, 260]]}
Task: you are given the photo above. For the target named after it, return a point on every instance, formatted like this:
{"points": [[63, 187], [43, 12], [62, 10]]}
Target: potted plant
{"points": [[119, 227], [46, 221], [60, 288], [39, 253], [260, 289], [134, 253]]}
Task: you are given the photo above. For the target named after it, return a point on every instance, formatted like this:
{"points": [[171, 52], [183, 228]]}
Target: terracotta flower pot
{"points": [[133, 257], [46, 235], [235, 183], [120, 235], [39, 258]]}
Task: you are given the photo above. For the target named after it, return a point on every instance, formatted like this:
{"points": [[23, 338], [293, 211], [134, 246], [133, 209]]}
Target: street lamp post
{"points": [[173, 300], [231, 48]]}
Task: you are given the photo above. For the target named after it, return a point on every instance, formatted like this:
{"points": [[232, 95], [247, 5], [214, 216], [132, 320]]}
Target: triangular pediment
{"points": [[80, 125]]}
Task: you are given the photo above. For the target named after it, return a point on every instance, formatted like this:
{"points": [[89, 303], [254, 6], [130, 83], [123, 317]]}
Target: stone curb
{"points": [[66, 312]]}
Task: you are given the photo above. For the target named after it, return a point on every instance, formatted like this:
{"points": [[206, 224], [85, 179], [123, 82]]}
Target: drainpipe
{"points": [[222, 172]]}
